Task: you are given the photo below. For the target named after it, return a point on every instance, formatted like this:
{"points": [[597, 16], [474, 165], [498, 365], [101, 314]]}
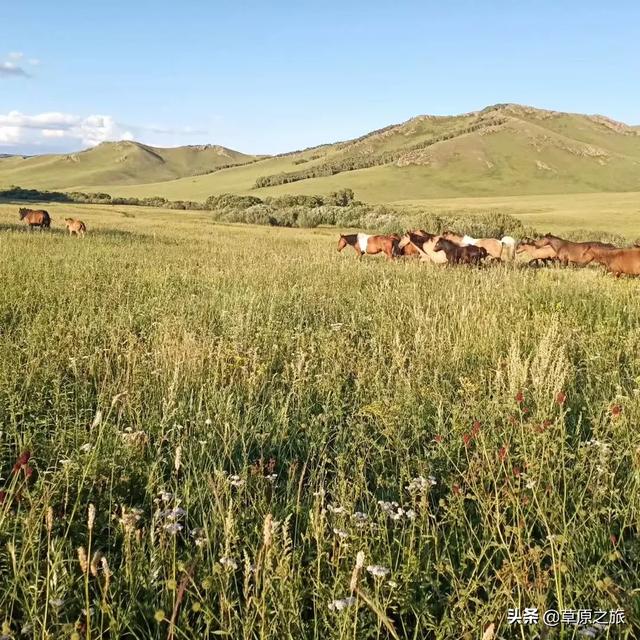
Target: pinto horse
{"points": [[363, 243], [494, 247], [468, 254], [579, 253], [34, 218]]}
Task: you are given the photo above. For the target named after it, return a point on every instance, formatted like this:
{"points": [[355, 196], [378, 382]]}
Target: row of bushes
{"points": [[356, 162], [339, 209]]}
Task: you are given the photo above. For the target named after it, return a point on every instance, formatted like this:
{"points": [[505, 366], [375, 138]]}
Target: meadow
{"points": [[213, 430]]}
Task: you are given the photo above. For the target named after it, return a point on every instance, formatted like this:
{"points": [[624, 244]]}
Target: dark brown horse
{"points": [[363, 243], [580, 253], [39, 218], [618, 261], [461, 255]]}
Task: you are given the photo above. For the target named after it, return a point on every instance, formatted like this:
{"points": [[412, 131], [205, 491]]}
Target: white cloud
{"points": [[12, 69], [16, 55], [17, 128]]}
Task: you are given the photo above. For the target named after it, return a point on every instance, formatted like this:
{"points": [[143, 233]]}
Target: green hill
{"points": [[116, 163], [505, 149]]}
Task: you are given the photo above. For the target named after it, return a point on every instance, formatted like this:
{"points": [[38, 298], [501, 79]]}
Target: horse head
{"points": [[22, 212]]}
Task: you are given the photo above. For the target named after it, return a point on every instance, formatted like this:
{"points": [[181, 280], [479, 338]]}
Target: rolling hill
{"points": [[502, 150], [116, 163]]}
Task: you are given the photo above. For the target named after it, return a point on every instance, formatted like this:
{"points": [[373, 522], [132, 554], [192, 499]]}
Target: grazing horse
{"points": [[34, 218], [456, 254], [75, 226], [363, 243], [536, 254], [493, 247], [580, 253], [618, 261]]}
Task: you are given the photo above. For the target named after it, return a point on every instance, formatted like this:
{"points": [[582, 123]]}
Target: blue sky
{"points": [[270, 77]]}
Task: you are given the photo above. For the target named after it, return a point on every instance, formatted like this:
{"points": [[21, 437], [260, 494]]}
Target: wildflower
{"points": [[616, 410], [502, 452], [343, 603], [561, 398], [236, 481], [178, 459], [421, 484], [516, 472], [130, 518], [159, 615], [228, 562], [336, 510], [378, 571], [475, 428], [456, 489], [173, 528], [272, 477], [438, 439], [175, 513], [340, 533], [208, 422], [361, 518], [411, 514], [56, 602], [466, 439], [86, 447], [198, 536], [165, 496], [614, 539], [519, 397]]}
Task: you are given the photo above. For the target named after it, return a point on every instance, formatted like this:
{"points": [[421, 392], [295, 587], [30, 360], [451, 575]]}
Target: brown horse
{"points": [[461, 255], [39, 218], [580, 253], [618, 261], [492, 246], [536, 254], [75, 226], [363, 243]]}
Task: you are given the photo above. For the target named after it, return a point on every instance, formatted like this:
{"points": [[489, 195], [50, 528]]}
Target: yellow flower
{"points": [[159, 615], [172, 585], [196, 606]]}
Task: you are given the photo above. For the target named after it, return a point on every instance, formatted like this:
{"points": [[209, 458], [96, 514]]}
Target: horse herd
{"points": [[453, 248], [41, 218]]}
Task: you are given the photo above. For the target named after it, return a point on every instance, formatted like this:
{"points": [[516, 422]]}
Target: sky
{"points": [[270, 77]]}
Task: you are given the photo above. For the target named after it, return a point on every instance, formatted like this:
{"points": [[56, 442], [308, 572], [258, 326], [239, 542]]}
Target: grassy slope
{"points": [[532, 151], [221, 342], [115, 163]]}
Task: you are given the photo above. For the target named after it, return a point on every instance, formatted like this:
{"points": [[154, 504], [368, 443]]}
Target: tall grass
{"points": [[227, 398]]}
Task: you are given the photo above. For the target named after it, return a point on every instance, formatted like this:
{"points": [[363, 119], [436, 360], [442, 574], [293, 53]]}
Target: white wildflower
{"points": [[174, 514], [342, 603], [173, 528], [272, 477], [340, 533], [420, 484], [228, 562], [86, 447], [236, 481], [378, 571], [336, 510], [208, 422]]}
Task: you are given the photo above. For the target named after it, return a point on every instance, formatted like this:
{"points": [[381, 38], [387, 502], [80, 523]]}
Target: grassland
{"points": [[227, 398]]}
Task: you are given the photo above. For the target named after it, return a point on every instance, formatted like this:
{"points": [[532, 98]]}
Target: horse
{"points": [[424, 242], [618, 261], [456, 254], [536, 254], [579, 253], [493, 246], [75, 226], [39, 218], [363, 243]]}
